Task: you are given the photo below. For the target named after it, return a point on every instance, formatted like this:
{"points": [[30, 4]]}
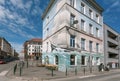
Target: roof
{"points": [[33, 40], [96, 5], [92, 2], [47, 9], [36, 40]]}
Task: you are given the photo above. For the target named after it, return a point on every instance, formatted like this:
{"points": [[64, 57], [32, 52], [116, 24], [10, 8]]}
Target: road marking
{"points": [[87, 76], [3, 73]]}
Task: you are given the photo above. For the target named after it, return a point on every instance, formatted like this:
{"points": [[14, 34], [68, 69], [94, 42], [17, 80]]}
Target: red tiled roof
{"points": [[36, 40]]}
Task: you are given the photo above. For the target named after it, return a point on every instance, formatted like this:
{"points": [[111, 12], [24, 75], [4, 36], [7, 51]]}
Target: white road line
{"points": [[3, 73], [87, 76]]}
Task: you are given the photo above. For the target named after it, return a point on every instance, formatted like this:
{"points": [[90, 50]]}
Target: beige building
{"points": [[111, 47], [75, 25], [5, 48]]}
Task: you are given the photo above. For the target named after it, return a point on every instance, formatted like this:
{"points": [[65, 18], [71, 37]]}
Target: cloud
{"points": [[15, 21], [17, 46], [115, 4], [19, 18], [18, 3], [2, 2]]}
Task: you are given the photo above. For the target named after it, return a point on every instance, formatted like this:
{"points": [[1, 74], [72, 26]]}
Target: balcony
{"points": [[113, 50], [112, 60], [113, 41]]}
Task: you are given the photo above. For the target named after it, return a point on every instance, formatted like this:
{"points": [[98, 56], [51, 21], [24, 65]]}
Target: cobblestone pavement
{"points": [[34, 73]]}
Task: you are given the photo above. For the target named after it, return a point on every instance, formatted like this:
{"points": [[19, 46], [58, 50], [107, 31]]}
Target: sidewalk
{"points": [[34, 73]]}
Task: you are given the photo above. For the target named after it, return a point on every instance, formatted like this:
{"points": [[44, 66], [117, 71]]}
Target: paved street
{"points": [[104, 77], [37, 73], [7, 66]]}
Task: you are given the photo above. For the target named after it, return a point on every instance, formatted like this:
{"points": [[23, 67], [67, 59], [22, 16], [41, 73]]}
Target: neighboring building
{"points": [[111, 47], [5, 48], [75, 25], [33, 48]]}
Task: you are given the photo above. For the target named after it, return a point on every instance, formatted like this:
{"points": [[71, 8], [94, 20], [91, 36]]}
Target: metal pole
{"points": [[52, 72], [20, 71], [66, 71], [15, 67], [84, 71], [76, 70], [27, 62]]}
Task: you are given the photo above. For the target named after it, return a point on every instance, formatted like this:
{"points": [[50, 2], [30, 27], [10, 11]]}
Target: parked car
{"points": [[2, 61]]}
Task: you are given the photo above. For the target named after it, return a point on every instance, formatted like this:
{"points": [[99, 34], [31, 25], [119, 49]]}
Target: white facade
{"points": [[59, 30], [34, 48]]}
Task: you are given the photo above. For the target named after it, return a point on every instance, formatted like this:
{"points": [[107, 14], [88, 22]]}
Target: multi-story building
{"points": [[74, 25], [111, 47], [33, 48], [5, 48]]}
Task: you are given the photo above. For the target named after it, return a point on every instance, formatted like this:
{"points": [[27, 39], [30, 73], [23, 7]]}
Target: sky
{"points": [[20, 20]]}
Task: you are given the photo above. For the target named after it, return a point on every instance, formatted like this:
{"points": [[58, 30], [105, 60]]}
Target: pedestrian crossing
{"points": [[3, 73]]}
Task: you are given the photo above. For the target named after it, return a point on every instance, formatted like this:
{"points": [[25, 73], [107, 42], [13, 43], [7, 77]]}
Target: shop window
{"points": [[72, 60]]}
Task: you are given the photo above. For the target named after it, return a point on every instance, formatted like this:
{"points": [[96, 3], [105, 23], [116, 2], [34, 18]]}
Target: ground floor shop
{"points": [[72, 59]]}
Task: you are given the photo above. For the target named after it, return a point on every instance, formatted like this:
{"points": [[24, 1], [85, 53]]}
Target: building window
{"points": [[97, 18], [90, 28], [72, 3], [72, 41], [72, 18], [97, 47], [90, 45], [83, 25], [97, 60], [90, 13], [82, 8], [47, 20], [82, 44], [72, 60], [83, 60], [97, 32], [56, 60]]}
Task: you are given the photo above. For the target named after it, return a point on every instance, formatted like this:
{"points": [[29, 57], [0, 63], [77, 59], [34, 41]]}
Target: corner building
{"points": [[75, 25]]}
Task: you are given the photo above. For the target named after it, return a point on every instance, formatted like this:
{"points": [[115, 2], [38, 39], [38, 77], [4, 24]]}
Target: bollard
{"points": [[52, 72], [20, 71], [76, 71], [84, 71], [15, 67], [27, 63], [90, 69], [66, 72]]}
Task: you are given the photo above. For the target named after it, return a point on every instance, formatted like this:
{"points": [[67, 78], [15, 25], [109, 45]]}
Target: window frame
{"points": [[72, 3], [72, 59], [82, 25], [83, 60], [82, 8], [97, 32], [72, 19], [83, 44], [90, 46], [97, 47], [72, 41], [90, 13]]}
